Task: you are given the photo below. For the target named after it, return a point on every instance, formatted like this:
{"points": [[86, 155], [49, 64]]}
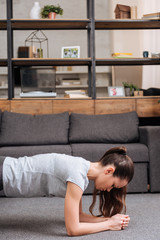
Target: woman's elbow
{"points": [[71, 232]]}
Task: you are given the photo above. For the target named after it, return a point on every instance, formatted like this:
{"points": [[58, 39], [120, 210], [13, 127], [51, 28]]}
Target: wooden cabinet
{"points": [[5, 105], [112, 106], [148, 107], [33, 106], [76, 106], [145, 106]]}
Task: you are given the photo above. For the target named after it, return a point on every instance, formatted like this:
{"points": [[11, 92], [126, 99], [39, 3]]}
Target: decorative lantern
{"points": [[36, 39]]}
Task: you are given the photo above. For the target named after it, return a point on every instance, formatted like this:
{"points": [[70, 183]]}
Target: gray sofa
{"points": [[88, 136]]}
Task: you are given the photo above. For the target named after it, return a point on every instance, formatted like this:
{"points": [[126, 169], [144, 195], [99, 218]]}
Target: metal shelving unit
{"points": [[126, 24], [45, 24], [90, 24]]}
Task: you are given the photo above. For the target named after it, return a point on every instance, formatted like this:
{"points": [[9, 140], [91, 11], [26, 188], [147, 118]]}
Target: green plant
{"points": [[131, 86], [135, 87], [51, 8], [126, 85]]}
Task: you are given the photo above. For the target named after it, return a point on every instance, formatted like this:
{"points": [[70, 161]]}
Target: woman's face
{"points": [[106, 181]]}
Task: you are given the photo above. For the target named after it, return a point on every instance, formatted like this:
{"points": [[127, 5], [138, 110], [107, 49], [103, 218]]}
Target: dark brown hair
{"points": [[113, 202]]}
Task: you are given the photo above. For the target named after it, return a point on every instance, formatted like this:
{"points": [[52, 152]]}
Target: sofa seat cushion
{"points": [[107, 128], [33, 150], [139, 182], [26, 129], [93, 152]]}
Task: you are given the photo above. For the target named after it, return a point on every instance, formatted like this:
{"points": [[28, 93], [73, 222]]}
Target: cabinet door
{"points": [[4, 105], [32, 106], [148, 107], [113, 106], [76, 106]]}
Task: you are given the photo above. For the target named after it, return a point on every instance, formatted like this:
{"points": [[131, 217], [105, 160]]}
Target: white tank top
{"points": [[43, 175]]}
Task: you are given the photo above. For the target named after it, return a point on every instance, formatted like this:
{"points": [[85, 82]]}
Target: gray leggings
{"points": [[1, 172]]}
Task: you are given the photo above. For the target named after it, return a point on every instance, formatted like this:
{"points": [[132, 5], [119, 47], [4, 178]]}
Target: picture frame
{"points": [[70, 52], [116, 91]]}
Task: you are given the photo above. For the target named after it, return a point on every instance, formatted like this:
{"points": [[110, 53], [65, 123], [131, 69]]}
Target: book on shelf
{"points": [[155, 55], [121, 55], [75, 94], [78, 91], [151, 16], [73, 81]]}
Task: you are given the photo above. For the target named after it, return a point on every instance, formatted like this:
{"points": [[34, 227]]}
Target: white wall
{"points": [[151, 42]]}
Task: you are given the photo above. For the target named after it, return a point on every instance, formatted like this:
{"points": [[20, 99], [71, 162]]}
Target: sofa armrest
{"points": [[150, 136]]}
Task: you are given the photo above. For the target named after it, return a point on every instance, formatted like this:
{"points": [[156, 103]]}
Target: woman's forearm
{"points": [[91, 219], [115, 223], [89, 228]]}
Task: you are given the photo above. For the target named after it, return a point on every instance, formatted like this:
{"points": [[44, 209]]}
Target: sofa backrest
{"points": [[25, 129], [107, 128]]}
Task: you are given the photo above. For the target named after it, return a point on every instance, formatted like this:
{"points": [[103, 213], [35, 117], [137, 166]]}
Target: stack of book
{"points": [[121, 55], [152, 16], [75, 94], [70, 81], [155, 55]]}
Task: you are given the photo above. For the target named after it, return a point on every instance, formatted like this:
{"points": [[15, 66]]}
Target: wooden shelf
{"points": [[51, 62], [81, 61], [71, 86], [3, 24], [3, 62], [127, 61], [78, 72], [77, 86], [126, 24], [46, 24], [69, 72]]}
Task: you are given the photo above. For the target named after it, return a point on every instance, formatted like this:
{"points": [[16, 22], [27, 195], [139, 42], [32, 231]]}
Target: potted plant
{"points": [[50, 11], [128, 88], [131, 89], [137, 91]]}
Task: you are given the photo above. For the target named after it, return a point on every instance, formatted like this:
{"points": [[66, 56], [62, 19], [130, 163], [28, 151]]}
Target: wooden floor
{"points": [[144, 106]]}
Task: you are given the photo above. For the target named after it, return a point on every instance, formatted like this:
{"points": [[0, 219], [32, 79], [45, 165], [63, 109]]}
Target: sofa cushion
{"points": [[93, 151], [108, 128], [21, 151], [25, 129]]}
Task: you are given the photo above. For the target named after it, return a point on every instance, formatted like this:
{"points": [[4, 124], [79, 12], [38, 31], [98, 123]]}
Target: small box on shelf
{"points": [[122, 11], [138, 93]]}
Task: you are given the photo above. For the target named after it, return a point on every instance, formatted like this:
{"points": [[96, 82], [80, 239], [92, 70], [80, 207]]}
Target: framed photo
{"points": [[116, 91], [70, 52]]}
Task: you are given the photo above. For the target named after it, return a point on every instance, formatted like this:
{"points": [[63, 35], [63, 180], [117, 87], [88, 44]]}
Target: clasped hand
{"points": [[119, 222]]}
